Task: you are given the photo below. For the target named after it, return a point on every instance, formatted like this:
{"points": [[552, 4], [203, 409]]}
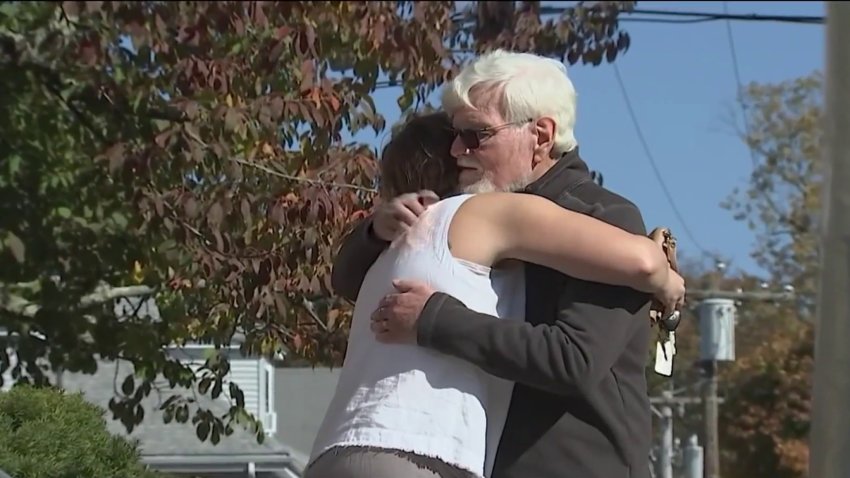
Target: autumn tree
{"points": [[766, 416], [765, 420], [782, 202], [191, 152]]}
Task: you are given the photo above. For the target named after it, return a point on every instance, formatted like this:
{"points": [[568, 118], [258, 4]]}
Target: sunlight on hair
{"points": [[531, 87]]}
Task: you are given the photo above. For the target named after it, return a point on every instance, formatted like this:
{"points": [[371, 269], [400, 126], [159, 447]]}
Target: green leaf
{"points": [[232, 119], [182, 414], [129, 385], [216, 436], [168, 415], [204, 385], [119, 219], [14, 162], [405, 101], [203, 430], [8, 9], [63, 212], [216, 391], [16, 247], [237, 395], [118, 74], [161, 125]]}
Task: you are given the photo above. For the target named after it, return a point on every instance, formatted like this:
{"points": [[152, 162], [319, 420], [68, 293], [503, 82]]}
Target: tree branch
{"points": [[313, 182], [20, 306], [308, 306]]}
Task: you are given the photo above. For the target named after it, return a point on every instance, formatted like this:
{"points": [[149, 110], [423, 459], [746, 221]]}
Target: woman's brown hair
{"points": [[418, 157]]}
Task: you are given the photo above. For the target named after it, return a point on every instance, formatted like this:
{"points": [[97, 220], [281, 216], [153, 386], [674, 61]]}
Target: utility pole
{"points": [[666, 458], [717, 316], [717, 342], [830, 435], [716, 310], [664, 412]]}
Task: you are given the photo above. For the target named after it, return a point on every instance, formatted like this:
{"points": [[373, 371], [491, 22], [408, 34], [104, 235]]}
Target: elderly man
{"points": [[579, 407]]}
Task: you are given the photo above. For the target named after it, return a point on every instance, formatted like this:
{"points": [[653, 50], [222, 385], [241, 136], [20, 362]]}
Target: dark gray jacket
{"points": [[580, 407]]}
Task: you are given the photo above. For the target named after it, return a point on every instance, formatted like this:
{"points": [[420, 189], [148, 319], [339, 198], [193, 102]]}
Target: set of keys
{"points": [[665, 346]]}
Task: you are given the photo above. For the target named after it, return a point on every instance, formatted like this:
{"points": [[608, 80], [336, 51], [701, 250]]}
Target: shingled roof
{"points": [[174, 447]]}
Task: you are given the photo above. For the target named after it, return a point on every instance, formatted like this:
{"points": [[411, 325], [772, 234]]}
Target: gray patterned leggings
{"points": [[368, 462]]}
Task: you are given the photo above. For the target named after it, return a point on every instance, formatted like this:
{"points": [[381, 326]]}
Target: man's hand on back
{"points": [[395, 319], [393, 218]]}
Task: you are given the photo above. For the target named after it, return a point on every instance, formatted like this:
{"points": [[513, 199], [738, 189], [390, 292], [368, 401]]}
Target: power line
{"points": [[737, 72], [652, 163], [806, 19], [669, 21], [636, 15], [743, 106]]}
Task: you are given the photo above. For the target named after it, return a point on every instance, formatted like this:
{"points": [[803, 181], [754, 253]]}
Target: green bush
{"points": [[47, 433]]}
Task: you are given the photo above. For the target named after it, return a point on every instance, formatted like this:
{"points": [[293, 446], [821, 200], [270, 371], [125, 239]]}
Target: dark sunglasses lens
{"points": [[469, 139]]}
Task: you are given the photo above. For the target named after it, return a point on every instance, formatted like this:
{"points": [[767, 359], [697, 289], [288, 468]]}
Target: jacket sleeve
{"points": [[567, 355], [360, 249]]}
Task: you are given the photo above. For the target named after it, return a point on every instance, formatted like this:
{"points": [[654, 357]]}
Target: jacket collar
{"points": [[568, 172]]}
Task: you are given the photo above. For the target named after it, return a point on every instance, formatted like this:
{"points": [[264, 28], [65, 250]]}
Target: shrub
{"points": [[48, 433]]}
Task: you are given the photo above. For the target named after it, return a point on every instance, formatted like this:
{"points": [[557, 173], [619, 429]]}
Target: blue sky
{"points": [[681, 84]]}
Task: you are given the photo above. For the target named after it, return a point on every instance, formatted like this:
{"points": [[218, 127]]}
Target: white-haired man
{"points": [[579, 406]]}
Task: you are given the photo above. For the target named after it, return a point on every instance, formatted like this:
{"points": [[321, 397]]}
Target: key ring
{"points": [[671, 322]]}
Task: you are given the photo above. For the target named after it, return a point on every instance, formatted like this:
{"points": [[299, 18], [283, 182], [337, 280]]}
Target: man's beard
{"points": [[484, 185]]}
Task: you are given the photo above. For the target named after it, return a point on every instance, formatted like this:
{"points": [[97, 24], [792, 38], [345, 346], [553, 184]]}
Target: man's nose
{"points": [[458, 148]]}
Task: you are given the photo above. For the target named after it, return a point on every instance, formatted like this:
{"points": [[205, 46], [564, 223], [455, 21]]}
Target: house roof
{"points": [[175, 446]]}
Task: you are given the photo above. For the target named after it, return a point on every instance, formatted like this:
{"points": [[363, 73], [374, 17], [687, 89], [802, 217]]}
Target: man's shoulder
{"points": [[606, 205]]}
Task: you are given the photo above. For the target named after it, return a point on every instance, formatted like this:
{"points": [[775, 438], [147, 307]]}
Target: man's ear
{"points": [[544, 129]]}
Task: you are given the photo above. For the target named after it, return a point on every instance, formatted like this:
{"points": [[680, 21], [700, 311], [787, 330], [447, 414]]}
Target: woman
{"points": [[406, 411]]}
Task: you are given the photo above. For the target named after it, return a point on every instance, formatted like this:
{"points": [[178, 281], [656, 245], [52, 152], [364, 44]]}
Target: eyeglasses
{"points": [[472, 138]]}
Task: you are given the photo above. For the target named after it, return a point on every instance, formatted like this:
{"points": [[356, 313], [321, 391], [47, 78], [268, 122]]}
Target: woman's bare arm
{"points": [[495, 226]]}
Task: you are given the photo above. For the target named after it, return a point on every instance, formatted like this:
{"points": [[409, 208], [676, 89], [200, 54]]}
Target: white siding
{"points": [[7, 375], [267, 398], [255, 377], [246, 374], [8, 381]]}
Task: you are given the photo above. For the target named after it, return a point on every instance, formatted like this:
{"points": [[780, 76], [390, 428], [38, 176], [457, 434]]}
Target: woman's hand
{"points": [[671, 298], [393, 218]]}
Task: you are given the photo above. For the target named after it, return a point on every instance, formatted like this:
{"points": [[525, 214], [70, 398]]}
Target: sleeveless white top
{"points": [[413, 399]]}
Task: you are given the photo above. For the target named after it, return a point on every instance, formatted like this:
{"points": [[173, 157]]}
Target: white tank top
{"points": [[410, 398]]}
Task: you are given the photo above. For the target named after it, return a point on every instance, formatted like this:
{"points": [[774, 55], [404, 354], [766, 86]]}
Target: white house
{"points": [[175, 448]]}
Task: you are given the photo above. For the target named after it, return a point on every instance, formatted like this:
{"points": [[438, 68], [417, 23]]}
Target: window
{"points": [[267, 405]]}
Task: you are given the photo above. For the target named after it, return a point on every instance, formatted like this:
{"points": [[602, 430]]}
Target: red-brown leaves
{"points": [[586, 32], [767, 411]]}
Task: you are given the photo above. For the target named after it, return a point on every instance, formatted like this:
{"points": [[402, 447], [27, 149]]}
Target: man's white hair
{"points": [[531, 87]]}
